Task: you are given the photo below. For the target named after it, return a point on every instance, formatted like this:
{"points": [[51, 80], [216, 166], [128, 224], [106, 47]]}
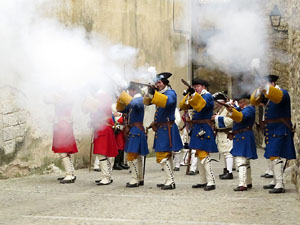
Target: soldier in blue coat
{"points": [[278, 129], [136, 142], [244, 147], [202, 136], [167, 137]]}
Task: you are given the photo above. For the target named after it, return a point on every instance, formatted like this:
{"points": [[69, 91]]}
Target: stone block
{"points": [[10, 119], [9, 147], [8, 133]]}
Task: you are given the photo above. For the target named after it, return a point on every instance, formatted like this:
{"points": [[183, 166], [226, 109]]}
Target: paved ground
{"points": [[42, 200]]}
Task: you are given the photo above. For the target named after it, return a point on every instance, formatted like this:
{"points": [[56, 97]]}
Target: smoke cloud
{"points": [[50, 63], [233, 34]]}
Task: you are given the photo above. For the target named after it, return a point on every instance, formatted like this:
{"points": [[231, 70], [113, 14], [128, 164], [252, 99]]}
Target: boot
{"points": [[170, 182], [177, 161], [203, 181], [68, 164], [105, 167], [229, 163], [140, 166], [241, 163], [121, 160], [278, 173], [211, 185], [116, 162], [249, 175], [134, 175], [96, 164], [224, 173]]}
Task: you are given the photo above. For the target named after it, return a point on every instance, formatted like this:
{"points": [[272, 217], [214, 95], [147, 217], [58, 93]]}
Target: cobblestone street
{"points": [[42, 200]]}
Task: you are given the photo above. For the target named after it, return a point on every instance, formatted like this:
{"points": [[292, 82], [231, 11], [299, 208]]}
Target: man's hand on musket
{"points": [[151, 90], [190, 91]]}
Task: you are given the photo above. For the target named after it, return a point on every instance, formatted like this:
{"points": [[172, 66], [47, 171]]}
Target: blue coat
{"points": [[279, 138], [207, 141], [244, 143], [136, 141], [161, 139]]}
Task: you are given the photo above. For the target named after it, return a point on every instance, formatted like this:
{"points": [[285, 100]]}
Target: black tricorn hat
{"points": [[163, 77], [242, 96], [219, 96], [196, 81], [272, 78]]}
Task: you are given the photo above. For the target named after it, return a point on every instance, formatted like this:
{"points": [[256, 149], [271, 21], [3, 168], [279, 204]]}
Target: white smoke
{"points": [[44, 58], [234, 32]]}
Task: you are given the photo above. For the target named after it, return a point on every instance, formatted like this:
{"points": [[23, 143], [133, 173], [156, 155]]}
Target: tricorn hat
{"points": [[196, 81], [163, 77], [220, 96], [242, 96], [272, 78]]}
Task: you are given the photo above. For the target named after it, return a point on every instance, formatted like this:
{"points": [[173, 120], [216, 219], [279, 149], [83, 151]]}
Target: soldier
{"points": [[278, 129], [244, 147], [223, 125], [105, 146], [202, 137], [63, 137], [167, 137], [136, 140]]}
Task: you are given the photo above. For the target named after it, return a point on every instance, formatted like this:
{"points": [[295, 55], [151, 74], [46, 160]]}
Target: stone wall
{"points": [[145, 25], [293, 17]]}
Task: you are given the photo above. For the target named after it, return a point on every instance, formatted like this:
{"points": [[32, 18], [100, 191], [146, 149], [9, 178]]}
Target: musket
{"points": [[91, 152], [142, 84], [186, 83], [189, 161], [224, 104]]}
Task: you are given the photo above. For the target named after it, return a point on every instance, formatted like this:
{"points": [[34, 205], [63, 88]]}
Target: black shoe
{"points": [[131, 185], [199, 185], [269, 176], [141, 183], [176, 169], [160, 185], [191, 173], [277, 191], [60, 178], [225, 171], [269, 186], [249, 186], [97, 181], [97, 170], [240, 188], [117, 167], [68, 181], [227, 176], [209, 187], [105, 184], [169, 187], [124, 166], [263, 175]]}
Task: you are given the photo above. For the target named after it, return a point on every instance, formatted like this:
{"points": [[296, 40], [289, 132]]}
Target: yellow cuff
{"points": [[274, 157], [197, 102], [183, 105], [120, 106], [236, 116], [125, 98], [275, 94], [159, 99], [255, 100]]}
